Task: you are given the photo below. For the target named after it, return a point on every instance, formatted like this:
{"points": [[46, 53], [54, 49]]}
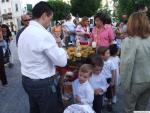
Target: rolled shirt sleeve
{"points": [[57, 55]]}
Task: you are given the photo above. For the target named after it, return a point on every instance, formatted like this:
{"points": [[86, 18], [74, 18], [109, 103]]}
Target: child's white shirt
{"points": [[76, 108], [116, 61], [99, 81], [108, 68], [84, 91]]}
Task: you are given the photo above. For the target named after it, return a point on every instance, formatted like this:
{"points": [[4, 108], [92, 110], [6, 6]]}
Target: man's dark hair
{"points": [[113, 49], [139, 7], [40, 8], [95, 60]]}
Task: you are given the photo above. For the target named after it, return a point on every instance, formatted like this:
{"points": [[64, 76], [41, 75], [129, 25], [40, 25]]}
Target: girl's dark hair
{"points": [[95, 60], [101, 50], [113, 49], [7, 30], [101, 16]]}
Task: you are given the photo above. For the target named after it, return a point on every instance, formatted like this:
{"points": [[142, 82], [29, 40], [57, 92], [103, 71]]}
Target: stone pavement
{"points": [[13, 99]]}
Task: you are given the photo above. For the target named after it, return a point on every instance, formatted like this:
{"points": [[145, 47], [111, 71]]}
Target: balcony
{"points": [[7, 16]]}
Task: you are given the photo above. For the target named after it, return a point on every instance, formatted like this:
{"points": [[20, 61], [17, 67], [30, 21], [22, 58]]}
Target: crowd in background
{"points": [[121, 50]]}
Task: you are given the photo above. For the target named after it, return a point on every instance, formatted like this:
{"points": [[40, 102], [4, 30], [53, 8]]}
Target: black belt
{"points": [[45, 79]]}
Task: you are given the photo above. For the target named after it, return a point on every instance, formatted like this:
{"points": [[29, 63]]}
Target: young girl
{"points": [[115, 59], [82, 90], [109, 71], [98, 82]]}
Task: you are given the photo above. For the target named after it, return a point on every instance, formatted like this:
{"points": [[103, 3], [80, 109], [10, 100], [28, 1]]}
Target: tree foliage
{"points": [[84, 7], [61, 9], [126, 7]]}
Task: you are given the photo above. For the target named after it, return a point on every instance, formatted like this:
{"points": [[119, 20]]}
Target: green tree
{"points": [[84, 7], [61, 9], [128, 6]]}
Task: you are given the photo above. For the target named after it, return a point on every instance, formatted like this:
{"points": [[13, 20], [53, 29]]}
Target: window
{"points": [[9, 10], [16, 5], [5, 11]]}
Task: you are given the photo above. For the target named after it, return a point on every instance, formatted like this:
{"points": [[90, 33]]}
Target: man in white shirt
{"points": [[39, 54]]}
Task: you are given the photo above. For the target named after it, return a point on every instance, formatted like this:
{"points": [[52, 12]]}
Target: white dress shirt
{"points": [[39, 53], [84, 91], [99, 82]]}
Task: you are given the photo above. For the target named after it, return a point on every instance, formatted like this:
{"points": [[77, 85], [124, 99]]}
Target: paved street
{"points": [[13, 98]]}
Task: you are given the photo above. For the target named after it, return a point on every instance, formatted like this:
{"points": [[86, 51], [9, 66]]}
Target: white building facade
{"points": [[10, 13]]}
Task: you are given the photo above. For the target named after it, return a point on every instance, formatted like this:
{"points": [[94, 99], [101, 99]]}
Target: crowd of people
{"points": [[122, 58], [68, 32]]}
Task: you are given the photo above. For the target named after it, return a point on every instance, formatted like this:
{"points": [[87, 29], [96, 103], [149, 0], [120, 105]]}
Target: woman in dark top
{"points": [[2, 68], [7, 36]]}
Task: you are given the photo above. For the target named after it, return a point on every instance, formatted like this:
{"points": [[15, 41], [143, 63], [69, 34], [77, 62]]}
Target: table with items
{"points": [[77, 55]]}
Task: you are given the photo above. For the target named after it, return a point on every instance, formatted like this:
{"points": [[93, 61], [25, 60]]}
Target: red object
{"points": [[62, 70], [124, 16], [84, 43], [87, 36]]}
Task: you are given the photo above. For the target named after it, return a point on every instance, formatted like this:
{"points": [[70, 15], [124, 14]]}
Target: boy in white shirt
{"points": [[82, 90], [116, 61], [98, 82], [109, 71]]}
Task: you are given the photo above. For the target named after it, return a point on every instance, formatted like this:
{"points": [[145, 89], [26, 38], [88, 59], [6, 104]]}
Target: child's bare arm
{"points": [[113, 72]]}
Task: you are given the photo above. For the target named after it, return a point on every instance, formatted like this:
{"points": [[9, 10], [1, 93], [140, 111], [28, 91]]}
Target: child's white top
{"points": [[107, 68], [84, 91], [76, 108], [116, 61], [98, 81]]}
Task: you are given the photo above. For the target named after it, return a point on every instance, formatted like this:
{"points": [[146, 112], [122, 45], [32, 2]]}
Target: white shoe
{"points": [[105, 99], [114, 100], [65, 98]]}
